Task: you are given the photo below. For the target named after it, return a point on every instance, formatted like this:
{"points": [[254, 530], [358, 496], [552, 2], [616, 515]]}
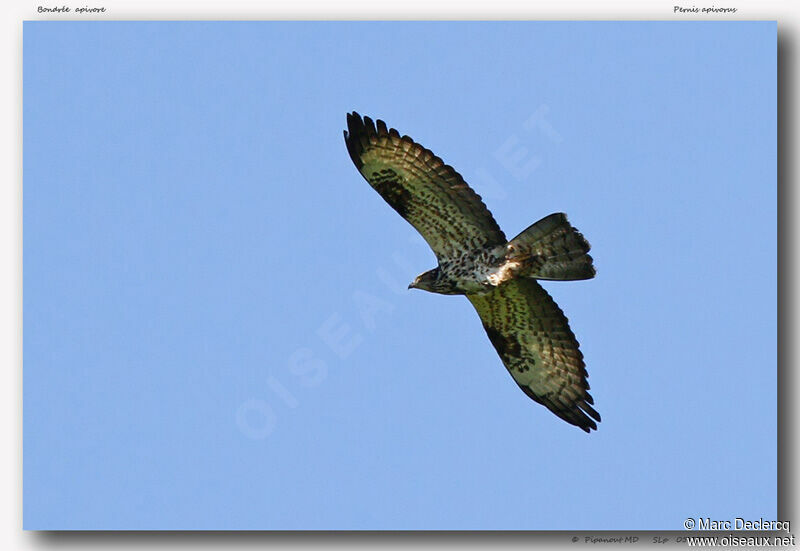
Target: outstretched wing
{"points": [[532, 337], [431, 195]]}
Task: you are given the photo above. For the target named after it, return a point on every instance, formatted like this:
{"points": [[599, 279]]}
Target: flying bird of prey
{"points": [[525, 325]]}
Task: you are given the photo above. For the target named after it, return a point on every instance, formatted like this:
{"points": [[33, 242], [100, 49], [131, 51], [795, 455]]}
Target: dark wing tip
{"points": [[578, 417], [369, 126], [586, 416], [583, 422], [589, 409], [359, 129], [355, 129], [354, 122], [580, 414]]}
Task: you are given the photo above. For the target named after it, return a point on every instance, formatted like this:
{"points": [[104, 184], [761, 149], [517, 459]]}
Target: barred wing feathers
{"points": [[431, 195], [533, 338]]}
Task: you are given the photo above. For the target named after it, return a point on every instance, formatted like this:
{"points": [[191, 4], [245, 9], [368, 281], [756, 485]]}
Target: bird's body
{"points": [[472, 272], [526, 327]]}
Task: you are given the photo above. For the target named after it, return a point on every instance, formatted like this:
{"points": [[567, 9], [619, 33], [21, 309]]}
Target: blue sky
{"points": [[217, 331]]}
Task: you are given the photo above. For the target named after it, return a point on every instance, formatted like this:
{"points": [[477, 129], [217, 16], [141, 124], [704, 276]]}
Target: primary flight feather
{"points": [[524, 324]]}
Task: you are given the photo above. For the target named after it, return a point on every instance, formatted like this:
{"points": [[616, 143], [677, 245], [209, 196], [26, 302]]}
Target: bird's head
{"points": [[427, 281]]}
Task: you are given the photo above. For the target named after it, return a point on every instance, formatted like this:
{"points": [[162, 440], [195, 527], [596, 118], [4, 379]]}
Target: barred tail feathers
{"points": [[552, 249]]}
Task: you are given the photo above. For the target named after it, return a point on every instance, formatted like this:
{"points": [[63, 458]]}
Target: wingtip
{"points": [[369, 126], [354, 122], [360, 130], [588, 409], [587, 425], [590, 417], [355, 127]]}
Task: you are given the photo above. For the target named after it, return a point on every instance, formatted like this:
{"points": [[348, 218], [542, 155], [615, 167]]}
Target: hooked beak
{"points": [[413, 284]]}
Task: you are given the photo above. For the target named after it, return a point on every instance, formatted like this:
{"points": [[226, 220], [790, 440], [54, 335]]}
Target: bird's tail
{"points": [[552, 249]]}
